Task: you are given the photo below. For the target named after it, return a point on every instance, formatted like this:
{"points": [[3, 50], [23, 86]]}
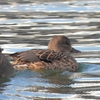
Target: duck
{"points": [[57, 56], [6, 68]]}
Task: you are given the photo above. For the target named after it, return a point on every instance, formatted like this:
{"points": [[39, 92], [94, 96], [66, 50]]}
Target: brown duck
{"points": [[57, 56], [6, 69]]}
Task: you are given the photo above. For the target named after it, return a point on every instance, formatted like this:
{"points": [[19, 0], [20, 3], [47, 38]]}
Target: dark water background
{"points": [[26, 24]]}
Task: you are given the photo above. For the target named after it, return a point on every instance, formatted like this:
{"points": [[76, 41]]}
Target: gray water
{"points": [[26, 24]]}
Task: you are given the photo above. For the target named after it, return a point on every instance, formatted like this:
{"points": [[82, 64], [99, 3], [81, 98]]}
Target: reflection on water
{"points": [[26, 24]]}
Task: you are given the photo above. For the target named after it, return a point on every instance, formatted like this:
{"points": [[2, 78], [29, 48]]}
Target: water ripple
{"points": [[29, 24]]}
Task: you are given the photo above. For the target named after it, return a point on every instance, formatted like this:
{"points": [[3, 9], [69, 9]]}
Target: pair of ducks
{"points": [[57, 56]]}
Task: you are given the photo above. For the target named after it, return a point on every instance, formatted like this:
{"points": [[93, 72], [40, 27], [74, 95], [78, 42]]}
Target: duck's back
{"points": [[36, 55]]}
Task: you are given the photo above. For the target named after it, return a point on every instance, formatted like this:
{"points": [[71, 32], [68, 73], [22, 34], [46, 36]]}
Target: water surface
{"points": [[26, 24]]}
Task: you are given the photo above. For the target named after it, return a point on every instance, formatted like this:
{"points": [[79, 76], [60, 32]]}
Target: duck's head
{"points": [[60, 44], [1, 49]]}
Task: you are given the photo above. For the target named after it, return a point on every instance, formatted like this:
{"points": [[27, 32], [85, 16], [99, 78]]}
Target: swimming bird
{"points": [[6, 69], [57, 56]]}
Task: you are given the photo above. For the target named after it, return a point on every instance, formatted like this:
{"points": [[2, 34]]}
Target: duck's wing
{"points": [[36, 55], [48, 55], [27, 56], [6, 69]]}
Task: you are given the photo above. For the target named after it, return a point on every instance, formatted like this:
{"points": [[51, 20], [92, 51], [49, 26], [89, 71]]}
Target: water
{"points": [[26, 24]]}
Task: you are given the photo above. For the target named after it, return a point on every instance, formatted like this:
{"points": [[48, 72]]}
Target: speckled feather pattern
{"points": [[50, 60], [67, 63]]}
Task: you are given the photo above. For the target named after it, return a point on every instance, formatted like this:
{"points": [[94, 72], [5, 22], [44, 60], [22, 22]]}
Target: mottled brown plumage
{"points": [[6, 69], [64, 62], [57, 56]]}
